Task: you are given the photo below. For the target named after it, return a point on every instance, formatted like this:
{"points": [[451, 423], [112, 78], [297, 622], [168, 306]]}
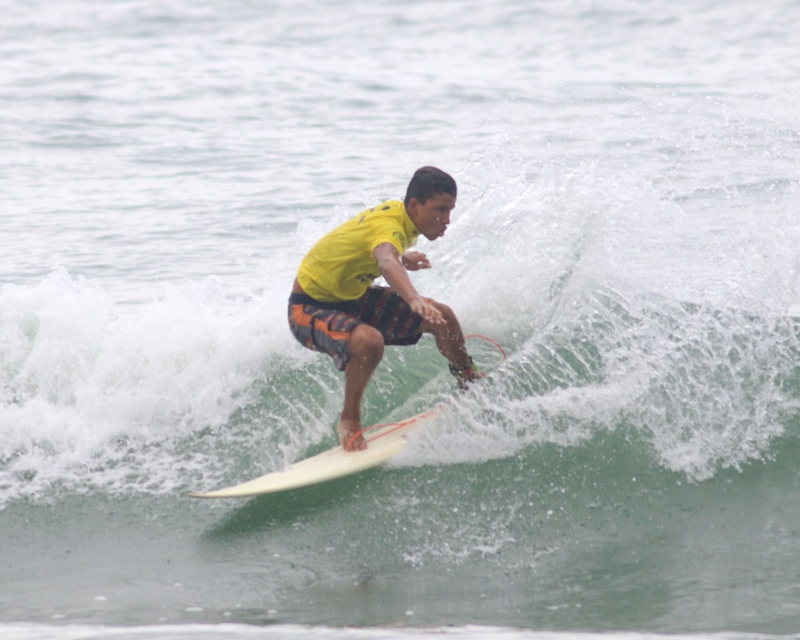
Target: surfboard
{"points": [[384, 442]]}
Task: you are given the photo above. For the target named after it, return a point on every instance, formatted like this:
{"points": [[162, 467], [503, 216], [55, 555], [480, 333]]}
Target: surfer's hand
{"points": [[413, 260], [428, 311]]}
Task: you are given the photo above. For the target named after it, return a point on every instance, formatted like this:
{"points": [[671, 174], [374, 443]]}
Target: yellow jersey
{"points": [[341, 265]]}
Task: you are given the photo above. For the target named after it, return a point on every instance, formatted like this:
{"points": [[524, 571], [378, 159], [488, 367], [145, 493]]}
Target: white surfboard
{"points": [[383, 443]]}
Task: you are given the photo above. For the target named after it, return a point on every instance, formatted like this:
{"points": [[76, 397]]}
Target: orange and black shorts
{"points": [[326, 326]]}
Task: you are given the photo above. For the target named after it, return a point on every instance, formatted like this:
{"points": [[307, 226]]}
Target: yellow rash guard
{"points": [[341, 265]]}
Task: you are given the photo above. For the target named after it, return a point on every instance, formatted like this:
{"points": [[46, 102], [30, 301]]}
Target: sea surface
{"points": [[627, 228]]}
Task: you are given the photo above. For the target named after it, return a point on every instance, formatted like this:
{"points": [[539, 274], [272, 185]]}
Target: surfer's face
{"points": [[432, 217]]}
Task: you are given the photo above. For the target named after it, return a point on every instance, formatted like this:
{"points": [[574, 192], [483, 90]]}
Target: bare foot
{"points": [[350, 436], [468, 377]]}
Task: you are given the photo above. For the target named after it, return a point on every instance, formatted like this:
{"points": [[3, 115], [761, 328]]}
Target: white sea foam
{"points": [[569, 273], [101, 395]]}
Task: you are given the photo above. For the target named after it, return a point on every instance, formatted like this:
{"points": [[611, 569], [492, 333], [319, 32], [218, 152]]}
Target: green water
{"points": [[589, 537]]}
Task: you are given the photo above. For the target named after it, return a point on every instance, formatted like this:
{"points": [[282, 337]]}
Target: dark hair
{"points": [[427, 182]]}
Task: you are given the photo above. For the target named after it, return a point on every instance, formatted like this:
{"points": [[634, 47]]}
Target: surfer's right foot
{"points": [[465, 375], [350, 436]]}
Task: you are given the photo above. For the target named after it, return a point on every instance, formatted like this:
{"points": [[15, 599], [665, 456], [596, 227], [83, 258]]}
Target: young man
{"points": [[335, 309]]}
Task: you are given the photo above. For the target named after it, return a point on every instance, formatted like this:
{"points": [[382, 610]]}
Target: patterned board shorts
{"points": [[326, 326]]}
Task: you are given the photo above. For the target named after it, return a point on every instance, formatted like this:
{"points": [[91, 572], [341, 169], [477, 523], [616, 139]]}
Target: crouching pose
{"points": [[334, 307]]}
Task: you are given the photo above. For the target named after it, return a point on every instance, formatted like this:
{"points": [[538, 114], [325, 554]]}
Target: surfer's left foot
{"points": [[466, 375], [350, 435]]}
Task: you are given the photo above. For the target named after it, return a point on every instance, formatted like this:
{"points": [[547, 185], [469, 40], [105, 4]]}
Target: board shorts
{"points": [[326, 326]]}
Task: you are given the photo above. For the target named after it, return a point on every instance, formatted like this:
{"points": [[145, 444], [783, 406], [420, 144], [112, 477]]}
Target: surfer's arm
{"points": [[395, 274]]}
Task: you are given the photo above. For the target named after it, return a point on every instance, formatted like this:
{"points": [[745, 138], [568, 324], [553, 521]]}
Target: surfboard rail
{"points": [[384, 442]]}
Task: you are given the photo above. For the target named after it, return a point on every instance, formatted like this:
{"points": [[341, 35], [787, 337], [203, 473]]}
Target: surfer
{"points": [[334, 307]]}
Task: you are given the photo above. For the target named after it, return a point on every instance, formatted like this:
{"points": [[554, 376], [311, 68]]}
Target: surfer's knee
{"points": [[366, 342], [447, 313]]}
